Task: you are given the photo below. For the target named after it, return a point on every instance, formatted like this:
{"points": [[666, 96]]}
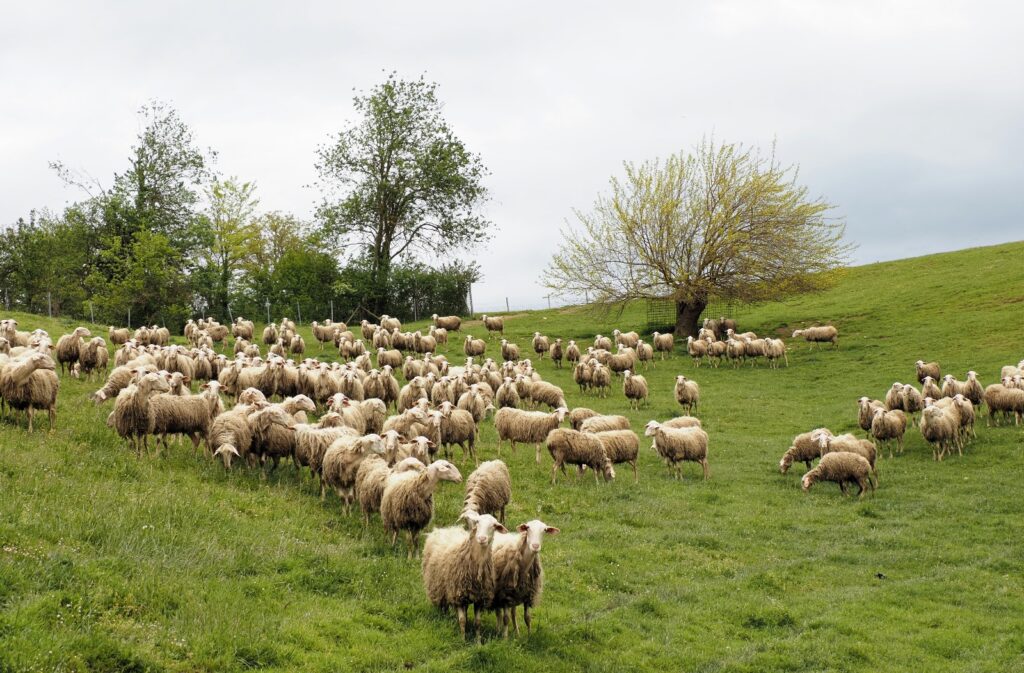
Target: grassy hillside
{"points": [[113, 563]]}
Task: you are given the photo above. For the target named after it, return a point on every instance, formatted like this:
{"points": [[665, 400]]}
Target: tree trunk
{"points": [[688, 318]]}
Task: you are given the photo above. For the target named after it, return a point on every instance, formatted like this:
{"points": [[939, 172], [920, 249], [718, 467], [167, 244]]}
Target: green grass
{"points": [[113, 563]]}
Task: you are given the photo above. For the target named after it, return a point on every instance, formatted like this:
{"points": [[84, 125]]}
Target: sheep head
{"points": [[442, 470], [534, 532]]}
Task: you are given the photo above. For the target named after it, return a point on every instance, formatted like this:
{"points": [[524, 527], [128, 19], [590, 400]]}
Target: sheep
{"points": [[714, 326], [622, 446], [580, 414], [850, 443], [889, 425], [518, 573], [423, 344], [623, 360], [542, 392], [458, 569], [404, 422], [819, 335], [598, 423], [842, 467], [697, 349], [687, 393], [93, 356], [578, 448], [230, 434], [118, 336], [297, 345], [68, 347], [312, 441], [392, 358], [634, 387], [735, 350], [866, 412], [555, 352], [452, 323], [541, 344], [270, 334], [412, 391], [494, 324], [940, 429], [1000, 398], [677, 445], [273, 430], [930, 389], [457, 427], [369, 485], [191, 415], [474, 402], [774, 349], [390, 324], [507, 395], [407, 502], [30, 382], [602, 343], [572, 353], [805, 448], [530, 427], [489, 489], [894, 397], [912, 402], [340, 463], [242, 329], [644, 354], [967, 415], [927, 369], [664, 343], [474, 347], [950, 386], [509, 351], [133, 416], [972, 389]]}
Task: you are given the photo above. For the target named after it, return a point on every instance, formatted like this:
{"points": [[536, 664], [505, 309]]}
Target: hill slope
{"points": [[113, 563]]}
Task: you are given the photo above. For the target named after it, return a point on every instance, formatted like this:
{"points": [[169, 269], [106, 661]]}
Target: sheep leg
{"points": [[861, 488], [527, 618], [554, 473], [52, 412], [413, 543], [31, 411], [636, 478], [842, 486], [476, 621], [704, 464], [462, 621]]}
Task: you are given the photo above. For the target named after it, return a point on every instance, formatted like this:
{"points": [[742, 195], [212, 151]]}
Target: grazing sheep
{"points": [[133, 416], [664, 343], [341, 462], [494, 324], [972, 389], [407, 502], [850, 443], [930, 389], [819, 335], [541, 344], [390, 358], [927, 369], [866, 408], [844, 468], [622, 446], [518, 573], [634, 387], [580, 414], [940, 429], [68, 347], [805, 448], [542, 392], [507, 395], [889, 425], [774, 350], [530, 427], [489, 489], [30, 382], [687, 393], [458, 570], [912, 401], [697, 349], [599, 423], [678, 445], [578, 448]]}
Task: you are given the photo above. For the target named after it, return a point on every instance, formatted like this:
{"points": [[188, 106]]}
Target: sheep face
{"points": [[445, 471], [786, 462], [227, 453], [651, 429], [806, 482], [482, 527], [535, 531]]}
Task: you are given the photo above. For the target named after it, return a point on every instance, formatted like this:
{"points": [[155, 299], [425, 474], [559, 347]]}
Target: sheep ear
{"points": [[431, 444], [522, 528], [501, 529], [551, 530]]}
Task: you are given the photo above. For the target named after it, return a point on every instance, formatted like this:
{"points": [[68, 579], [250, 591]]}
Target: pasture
{"points": [[109, 562]]}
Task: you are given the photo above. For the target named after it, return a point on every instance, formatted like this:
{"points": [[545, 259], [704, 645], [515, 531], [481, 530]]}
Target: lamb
{"points": [[458, 569], [457, 427], [494, 324], [774, 349], [849, 443], [133, 417], [687, 393], [599, 423], [572, 353], [634, 387], [191, 415], [912, 402], [507, 395], [889, 425], [555, 352], [805, 448], [118, 336], [341, 461], [68, 347], [622, 446], [407, 502], [866, 412], [489, 489], [927, 369], [93, 356], [452, 323], [930, 389], [530, 427], [819, 335], [940, 429], [972, 389], [697, 349], [30, 382], [578, 448], [518, 573], [842, 467], [664, 343], [542, 392], [678, 445], [474, 347]]}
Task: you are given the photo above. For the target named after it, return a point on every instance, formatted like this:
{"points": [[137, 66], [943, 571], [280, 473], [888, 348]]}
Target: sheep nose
{"points": [[482, 539], [535, 547]]}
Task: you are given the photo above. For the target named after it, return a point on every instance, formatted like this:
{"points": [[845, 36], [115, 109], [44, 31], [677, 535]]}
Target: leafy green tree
{"points": [[398, 181], [723, 221]]}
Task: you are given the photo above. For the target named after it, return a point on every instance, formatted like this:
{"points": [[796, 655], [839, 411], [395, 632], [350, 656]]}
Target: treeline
{"points": [[169, 238]]}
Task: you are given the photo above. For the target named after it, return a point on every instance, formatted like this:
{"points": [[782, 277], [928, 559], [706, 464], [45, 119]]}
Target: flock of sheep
{"points": [[376, 442]]}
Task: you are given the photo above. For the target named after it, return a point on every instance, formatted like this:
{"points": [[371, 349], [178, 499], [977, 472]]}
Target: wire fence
{"points": [[661, 313]]}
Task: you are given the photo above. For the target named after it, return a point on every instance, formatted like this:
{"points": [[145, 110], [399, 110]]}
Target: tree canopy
{"points": [[722, 221]]}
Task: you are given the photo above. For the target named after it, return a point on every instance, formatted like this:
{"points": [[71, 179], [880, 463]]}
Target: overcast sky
{"points": [[909, 116]]}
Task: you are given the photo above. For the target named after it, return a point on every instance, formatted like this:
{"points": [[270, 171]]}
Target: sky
{"points": [[908, 116]]}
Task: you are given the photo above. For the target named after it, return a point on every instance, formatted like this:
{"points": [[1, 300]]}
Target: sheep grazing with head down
{"points": [[850, 443], [528, 427], [679, 445], [804, 449], [687, 393], [548, 394], [68, 346], [518, 573], [819, 335], [634, 387], [583, 449], [489, 489], [407, 503], [622, 446], [458, 570], [926, 369], [887, 426], [30, 382], [843, 468]]}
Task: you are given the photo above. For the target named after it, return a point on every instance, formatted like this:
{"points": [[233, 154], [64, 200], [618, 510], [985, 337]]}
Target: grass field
{"points": [[114, 563]]}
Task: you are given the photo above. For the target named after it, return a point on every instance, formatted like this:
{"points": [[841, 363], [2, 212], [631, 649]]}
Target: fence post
{"points": [[298, 312], [332, 310], [230, 317], [129, 317], [49, 304], [267, 304], [471, 310], [507, 310], [92, 315]]}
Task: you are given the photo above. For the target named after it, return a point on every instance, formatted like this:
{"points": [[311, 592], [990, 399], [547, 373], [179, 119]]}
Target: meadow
{"points": [[109, 562]]}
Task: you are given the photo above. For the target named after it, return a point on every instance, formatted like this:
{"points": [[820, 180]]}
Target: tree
{"points": [[723, 221], [398, 181], [229, 238]]}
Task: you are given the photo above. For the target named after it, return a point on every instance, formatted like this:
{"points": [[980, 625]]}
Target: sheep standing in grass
{"points": [[805, 448], [458, 427], [458, 569], [887, 426], [601, 423], [452, 323], [474, 347], [678, 445], [548, 394], [687, 393], [118, 337], [735, 350], [541, 344], [93, 357], [697, 349], [528, 427], [951, 387], [634, 387], [912, 402], [407, 503], [494, 324], [774, 350], [940, 429], [843, 468], [580, 449], [555, 353], [579, 415], [601, 379], [664, 343], [926, 369], [819, 335], [371, 476], [850, 443], [622, 446], [509, 351], [894, 397], [191, 415], [30, 382], [133, 416], [972, 389], [602, 343], [572, 353], [507, 395], [967, 416], [1002, 399], [866, 408], [489, 489], [518, 573], [341, 462], [68, 347], [930, 389]]}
